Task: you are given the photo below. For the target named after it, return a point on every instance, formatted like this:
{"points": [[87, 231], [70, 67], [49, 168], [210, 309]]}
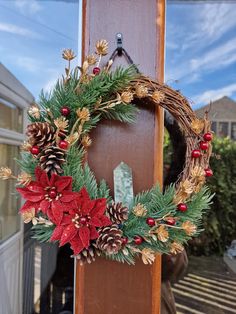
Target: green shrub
{"points": [[219, 222]]}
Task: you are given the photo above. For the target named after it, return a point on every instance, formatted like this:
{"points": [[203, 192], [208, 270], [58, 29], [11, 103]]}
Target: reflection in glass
{"points": [[233, 131], [213, 127], [223, 129], [9, 203], [11, 117]]}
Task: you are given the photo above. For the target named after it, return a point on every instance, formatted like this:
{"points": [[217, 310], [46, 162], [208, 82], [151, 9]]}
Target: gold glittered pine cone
{"points": [[5, 173], [126, 97], [141, 91], [68, 54], [40, 133], [158, 96], [140, 210], [34, 111], [117, 212], [162, 233], [176, 248], [51, 159], [61, 123], [24, 178], [148, 256], [86, 141], [83, 114], [102, 47], [198, 125], [29, 216], [189, 228], [110, 239], [87, 256], [91, 59]]}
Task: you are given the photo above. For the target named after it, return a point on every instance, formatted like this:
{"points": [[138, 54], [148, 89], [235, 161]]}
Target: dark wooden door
{"points": [[106, 287]]}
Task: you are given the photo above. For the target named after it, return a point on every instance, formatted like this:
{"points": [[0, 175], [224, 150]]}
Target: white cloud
{"points": [[214, 94], [28, 63], [209, 23], [17, 30], [28, 6], [212, 60]]}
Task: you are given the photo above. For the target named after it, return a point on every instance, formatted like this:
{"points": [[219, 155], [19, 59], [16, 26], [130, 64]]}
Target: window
{"points": [[11, 117], [9, 201], [11, 137], [233, 131], [213, 127], [223, 129]]}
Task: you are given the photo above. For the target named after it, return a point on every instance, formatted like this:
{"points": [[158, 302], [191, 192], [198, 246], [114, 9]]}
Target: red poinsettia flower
{"points": [[78, 226], [52, 196]]}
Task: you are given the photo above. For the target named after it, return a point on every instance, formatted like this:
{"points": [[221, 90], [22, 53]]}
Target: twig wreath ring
{"points": [[63, 200]]}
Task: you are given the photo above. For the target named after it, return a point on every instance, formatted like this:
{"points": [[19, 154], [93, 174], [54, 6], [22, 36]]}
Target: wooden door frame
{"points": [[158, 155]]}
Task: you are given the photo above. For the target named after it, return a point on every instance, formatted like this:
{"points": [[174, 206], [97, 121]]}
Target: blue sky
{"points": [[201, 50], [200, 45], [32, 37]]}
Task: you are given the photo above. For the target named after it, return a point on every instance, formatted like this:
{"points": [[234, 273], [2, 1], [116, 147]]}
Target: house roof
{"points": [[221, 109]]}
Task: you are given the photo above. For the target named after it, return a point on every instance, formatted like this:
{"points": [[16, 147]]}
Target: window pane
{"points": [[9, 202], [233, 130], [11, 117], [213, 127], [223, 129]]}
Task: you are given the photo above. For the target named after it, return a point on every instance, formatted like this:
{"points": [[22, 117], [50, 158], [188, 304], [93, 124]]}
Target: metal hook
{"points": [[119, 43]]}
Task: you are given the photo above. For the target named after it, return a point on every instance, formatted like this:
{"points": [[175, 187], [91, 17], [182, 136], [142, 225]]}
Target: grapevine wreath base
{"points": [[63, 200]]}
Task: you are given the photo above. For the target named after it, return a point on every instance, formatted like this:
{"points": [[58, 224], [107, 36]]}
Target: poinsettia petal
{"points": [[63, 183], [35, 187], [44, 206], [63, 207], [68, 234], [66, 220], [57, 213], [68, 196], [51, 217], [84, 235], [105, 221], [76, 245], [93, 233], [95, 221], [28, 195], [57, 233], [99, 207], [28, 206], [42, 176]]}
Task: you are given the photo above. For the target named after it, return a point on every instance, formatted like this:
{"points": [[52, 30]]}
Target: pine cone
{"points": [[40, 133], [117, 212], [51, 159], [88, 255], [110, 239]]}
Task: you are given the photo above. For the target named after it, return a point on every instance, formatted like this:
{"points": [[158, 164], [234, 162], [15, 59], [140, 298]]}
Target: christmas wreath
{"points": [[64, 202]]}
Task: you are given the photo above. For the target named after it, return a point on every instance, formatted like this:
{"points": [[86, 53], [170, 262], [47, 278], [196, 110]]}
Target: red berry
{"points": [[83, 220], [63, 144], [138, 240], [182, 207], [170, 221], [96, 70], [204, 145], [35, 150], [125, 240], [65, 111], [196, 153], [208, 172], [150, 221], [208, 136], [52, 194]]}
